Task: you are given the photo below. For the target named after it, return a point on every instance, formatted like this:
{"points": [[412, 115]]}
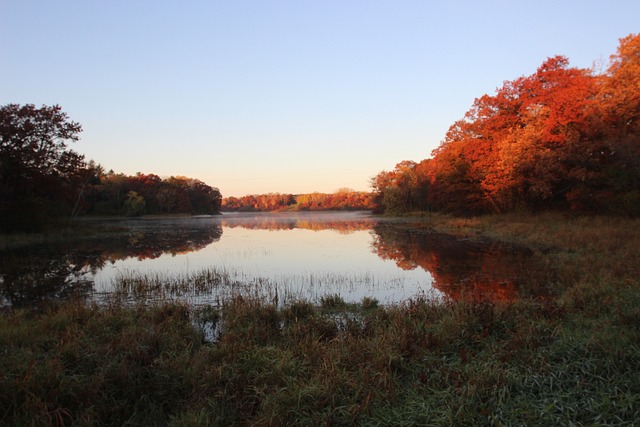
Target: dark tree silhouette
{"points": [[39, 175]]}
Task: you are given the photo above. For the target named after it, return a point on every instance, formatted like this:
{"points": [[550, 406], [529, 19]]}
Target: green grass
{"points": [[571, 359]]}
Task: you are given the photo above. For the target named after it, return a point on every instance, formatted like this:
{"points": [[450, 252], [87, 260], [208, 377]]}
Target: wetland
{"points": [[511, 320]]}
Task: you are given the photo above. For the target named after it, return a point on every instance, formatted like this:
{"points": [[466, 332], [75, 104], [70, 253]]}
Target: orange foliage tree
{"points": [[561, 138], [615, 158], [516, 147], [343, 199], [402, 190]]}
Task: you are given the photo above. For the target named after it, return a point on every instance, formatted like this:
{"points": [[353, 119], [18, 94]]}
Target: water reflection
{"points": [[31, 279], [149, 239], [342, 222], [298, 251], [461, 268], [62, 270]]}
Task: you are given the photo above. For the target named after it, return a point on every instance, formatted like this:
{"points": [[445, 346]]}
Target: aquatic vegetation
{"points": [[214, 285]]}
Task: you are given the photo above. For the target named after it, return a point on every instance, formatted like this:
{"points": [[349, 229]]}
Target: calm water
{"points": [[276, 255]]}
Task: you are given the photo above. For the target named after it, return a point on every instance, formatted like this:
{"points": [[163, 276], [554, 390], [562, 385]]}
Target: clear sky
{"points": [[283, 96]]}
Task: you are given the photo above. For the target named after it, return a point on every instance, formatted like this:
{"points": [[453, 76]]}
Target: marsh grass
{"points": [[420, 362], [567, 359], [213, 286]]}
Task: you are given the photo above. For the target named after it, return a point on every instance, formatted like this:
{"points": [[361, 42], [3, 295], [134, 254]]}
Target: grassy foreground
{"points": [[567, 360]]}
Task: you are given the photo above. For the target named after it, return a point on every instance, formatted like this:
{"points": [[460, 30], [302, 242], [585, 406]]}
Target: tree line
{"points": [[44, 182], [343, 199], [561, 138], [119, 194]]}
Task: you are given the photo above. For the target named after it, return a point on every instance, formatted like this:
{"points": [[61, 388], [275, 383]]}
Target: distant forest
{"points": [[343, 199], [562, 138]]}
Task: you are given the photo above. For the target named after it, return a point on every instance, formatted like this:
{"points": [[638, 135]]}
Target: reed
{"points": [[213, 286]]}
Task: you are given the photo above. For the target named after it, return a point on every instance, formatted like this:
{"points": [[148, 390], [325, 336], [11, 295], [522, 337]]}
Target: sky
{"points": [[266, 96]]}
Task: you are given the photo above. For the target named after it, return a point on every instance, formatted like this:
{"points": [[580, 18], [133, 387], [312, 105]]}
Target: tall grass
{"points": [[214, 285], [421, 362], [567, 360]]}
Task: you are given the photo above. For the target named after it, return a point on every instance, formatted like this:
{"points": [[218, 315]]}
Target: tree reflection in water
{"points": [[64, 270], [32, 278], [341, 222], [461, 268]]}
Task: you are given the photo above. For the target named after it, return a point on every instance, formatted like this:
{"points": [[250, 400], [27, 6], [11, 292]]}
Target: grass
{"points": [[529, 363], [214, 285], [567, 360]]}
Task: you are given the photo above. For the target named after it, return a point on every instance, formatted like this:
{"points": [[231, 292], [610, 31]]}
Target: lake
{"points": [[278, 256]]}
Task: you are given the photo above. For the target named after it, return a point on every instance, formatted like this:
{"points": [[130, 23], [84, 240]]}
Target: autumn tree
{"points": [[230, 204], [135, 204], [402, 190], [519, 147], [173, 195], [616, 155], [619, 93], [204, 198], [560, 138], [111, 193], [342, 199], [454, 188], [39, 175], [544, 154]]}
